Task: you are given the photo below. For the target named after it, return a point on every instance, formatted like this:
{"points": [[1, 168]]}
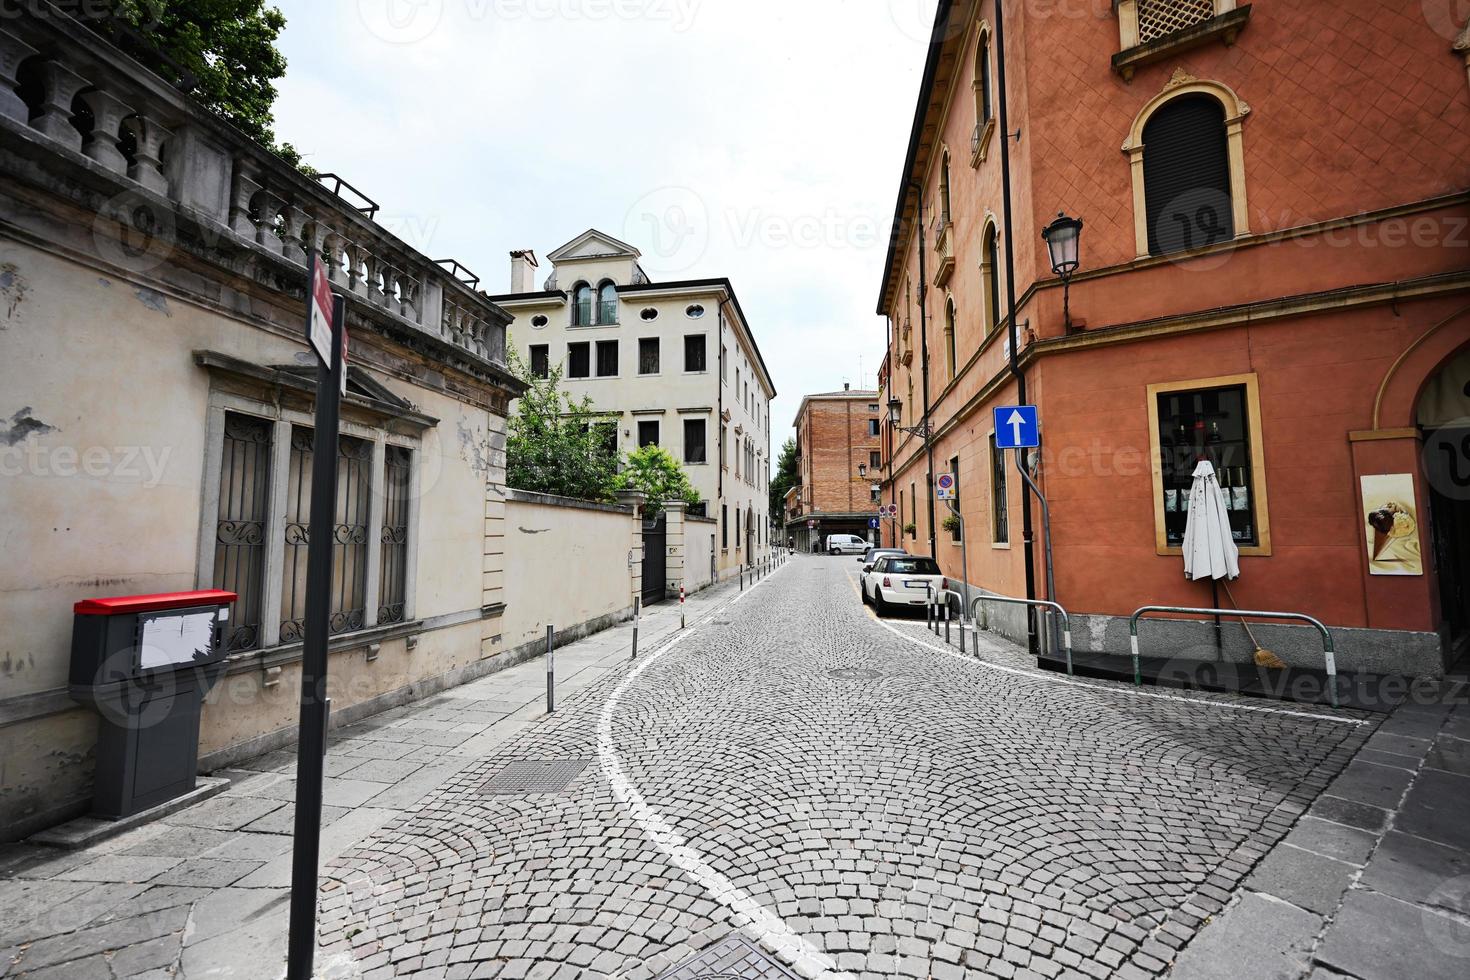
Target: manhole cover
{"points": [[854, 674], [534, 776], [732, 958]]}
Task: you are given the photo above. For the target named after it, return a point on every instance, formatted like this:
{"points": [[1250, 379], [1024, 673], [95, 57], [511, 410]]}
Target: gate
{"points": [[655, 558]]}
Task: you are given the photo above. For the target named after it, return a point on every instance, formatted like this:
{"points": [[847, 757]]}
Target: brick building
{"points": [[838, 456], [1273, 276]]}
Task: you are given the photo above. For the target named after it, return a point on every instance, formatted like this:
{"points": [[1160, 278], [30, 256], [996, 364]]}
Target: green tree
{"points": [[222, 51], [658, 474], [785, 477], [556, 444]]}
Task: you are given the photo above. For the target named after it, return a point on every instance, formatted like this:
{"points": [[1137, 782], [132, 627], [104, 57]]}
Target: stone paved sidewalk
{"points": [[1374, 881], [204, 892]]}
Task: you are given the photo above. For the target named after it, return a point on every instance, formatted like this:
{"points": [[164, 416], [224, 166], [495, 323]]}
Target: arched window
{"points": [[607, 302], [990, 276], [1187, 154], [983, 106], [581, 305], [944, 211], [1186, 175], [949, 344]]}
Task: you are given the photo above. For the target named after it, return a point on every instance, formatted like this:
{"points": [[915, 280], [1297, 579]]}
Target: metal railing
{"points": [[1329, 653], [1039, 603]]}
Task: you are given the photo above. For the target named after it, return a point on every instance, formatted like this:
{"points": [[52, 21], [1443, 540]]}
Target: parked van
{"points": [[846, 544]]}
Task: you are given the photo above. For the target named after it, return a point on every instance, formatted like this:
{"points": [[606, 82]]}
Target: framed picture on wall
{"points": [[1391, 524]]}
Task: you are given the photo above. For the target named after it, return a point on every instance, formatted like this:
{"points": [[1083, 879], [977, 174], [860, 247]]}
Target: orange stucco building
{"points": [[1275, 275]]}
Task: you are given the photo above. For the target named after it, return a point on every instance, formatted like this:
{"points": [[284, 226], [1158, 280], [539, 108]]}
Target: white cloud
{"points": [[778, 126]]}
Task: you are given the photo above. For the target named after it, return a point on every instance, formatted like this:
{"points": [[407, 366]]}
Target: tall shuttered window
{"points": [[240, 542], [349, 535], [393, 571], [1186, 176], [1000, 505]]}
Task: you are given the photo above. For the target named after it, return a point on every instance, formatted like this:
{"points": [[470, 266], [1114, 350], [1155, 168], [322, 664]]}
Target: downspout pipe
{"points": [[918, 189], [1028, 533], [892, 432]]}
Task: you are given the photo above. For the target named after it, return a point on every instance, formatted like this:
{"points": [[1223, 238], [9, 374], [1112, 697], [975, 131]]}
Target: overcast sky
{"points": [[756, 139]]}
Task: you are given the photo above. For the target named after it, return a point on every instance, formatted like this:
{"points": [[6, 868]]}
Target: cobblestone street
{"points": [[848, 794]]}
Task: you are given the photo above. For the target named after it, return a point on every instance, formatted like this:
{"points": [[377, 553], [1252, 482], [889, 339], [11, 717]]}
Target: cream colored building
{"points": [[673, 363], [155, 435]]}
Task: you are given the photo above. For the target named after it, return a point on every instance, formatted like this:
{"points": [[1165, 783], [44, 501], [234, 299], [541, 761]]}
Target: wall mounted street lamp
{"points": [[862, 469], [1062, 239], [895, 416]]}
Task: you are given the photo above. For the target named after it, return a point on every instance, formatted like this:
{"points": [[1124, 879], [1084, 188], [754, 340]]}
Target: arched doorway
{"points": [[1443, 418]]}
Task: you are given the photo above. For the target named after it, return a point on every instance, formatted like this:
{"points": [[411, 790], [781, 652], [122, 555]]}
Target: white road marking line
{"points": [[1105, 688], [771, 931]]}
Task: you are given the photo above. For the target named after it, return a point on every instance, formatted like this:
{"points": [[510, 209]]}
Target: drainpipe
{"points": [[1027, 532], [924, 366], [892, 432]]}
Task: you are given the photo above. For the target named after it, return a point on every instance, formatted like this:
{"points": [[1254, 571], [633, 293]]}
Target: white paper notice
{"points": [[169, 639]]}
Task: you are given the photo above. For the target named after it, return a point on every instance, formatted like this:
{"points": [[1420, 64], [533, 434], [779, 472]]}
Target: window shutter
{"points": [[1186, 176]]}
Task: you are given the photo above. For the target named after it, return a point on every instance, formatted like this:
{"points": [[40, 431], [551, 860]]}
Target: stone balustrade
{"points": [[85, 98]]}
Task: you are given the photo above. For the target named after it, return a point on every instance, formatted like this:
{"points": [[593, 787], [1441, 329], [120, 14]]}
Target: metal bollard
{"points": [[681, 607], [946, 621], [637, 610], [550, 672], [742, 578]]}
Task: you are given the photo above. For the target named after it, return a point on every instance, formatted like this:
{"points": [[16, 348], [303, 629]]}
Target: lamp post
{"points": [[1062, 239], [924, 431]]}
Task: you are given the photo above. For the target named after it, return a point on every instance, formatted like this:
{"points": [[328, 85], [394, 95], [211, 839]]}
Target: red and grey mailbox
{"points": [[145, 662]]}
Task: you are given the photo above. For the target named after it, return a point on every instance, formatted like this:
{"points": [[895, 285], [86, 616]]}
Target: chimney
{"points": [[847, 386], [523, 271]]}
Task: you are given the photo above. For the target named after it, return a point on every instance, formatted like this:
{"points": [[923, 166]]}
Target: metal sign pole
{"points": [[1051, 582], [312, 740], [954, 506]]}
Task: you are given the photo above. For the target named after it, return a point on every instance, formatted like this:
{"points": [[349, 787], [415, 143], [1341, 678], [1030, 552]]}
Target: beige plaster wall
{"points": [[565, 566]]}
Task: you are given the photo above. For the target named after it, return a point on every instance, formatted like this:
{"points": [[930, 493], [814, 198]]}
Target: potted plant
{"points": [[951, 524], [911, 530]]}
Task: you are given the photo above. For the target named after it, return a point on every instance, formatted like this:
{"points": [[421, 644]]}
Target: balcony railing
{"points": [[607, 313], [152, 150]]}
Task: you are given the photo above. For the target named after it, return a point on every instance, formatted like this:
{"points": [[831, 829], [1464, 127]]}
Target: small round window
{"points": [[649, 314], [538, 320], [694, 312]]}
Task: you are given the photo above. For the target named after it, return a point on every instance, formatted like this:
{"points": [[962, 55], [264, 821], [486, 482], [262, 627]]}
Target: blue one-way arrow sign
{"points": [[1016, 427]]}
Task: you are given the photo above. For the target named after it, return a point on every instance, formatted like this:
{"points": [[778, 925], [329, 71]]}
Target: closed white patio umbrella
{"points": [[1209, 547]]}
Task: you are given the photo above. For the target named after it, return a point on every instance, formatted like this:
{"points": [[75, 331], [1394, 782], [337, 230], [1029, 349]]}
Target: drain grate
{"points": [[854, 674], [732, 958], [534, 776]]}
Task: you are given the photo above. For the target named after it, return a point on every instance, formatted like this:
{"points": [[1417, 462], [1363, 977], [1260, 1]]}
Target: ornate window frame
{"points": [[984, 128], [283, 400], [990, 319], [1251, 383], [1225, 24], [1182, 83]]}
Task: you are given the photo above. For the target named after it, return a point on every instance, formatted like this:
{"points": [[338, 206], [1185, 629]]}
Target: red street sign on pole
{"points": [[319, 313], [323, 310]]}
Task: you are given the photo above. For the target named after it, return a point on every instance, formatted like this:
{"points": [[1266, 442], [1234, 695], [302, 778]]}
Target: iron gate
{"points": [[655, 555]]}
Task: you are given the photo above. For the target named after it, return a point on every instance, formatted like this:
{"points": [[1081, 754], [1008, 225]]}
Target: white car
{"points": [[897, 581], [846, 544]]}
